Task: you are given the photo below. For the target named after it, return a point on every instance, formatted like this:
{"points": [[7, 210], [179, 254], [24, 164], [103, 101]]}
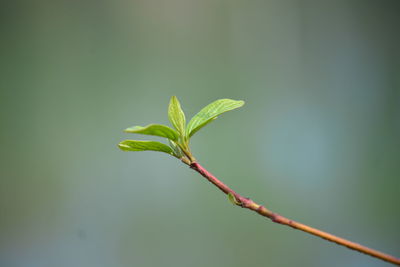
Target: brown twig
{"points": [[250, 204]]}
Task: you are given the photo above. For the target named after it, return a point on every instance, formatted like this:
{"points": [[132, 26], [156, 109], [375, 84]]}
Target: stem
{"points": [[250, 204]]}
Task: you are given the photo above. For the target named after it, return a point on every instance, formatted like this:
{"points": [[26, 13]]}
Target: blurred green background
{"points": [[317, 141]]}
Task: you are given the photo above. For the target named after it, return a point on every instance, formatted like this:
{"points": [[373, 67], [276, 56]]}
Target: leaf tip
{"points": [[133, 129], [173, 99], [123, 146]]}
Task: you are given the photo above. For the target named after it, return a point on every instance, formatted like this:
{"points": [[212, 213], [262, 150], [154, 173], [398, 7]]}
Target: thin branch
{"points": [[250, 204]]}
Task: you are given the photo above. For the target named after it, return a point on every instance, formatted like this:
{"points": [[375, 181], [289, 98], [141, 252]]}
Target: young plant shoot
{"points": [[178, 139]]}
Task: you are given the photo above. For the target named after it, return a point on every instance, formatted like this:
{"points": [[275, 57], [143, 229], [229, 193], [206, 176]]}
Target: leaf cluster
{"points": [[179, 136]]}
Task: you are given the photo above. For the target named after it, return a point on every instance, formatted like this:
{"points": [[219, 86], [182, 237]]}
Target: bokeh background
{"points": [[317, 141]]}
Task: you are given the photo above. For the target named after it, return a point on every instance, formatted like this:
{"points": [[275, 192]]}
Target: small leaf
{"points": [[210, 113], [176, 115], [177, 151], [232, 199], [155, 129], [134, 145]]}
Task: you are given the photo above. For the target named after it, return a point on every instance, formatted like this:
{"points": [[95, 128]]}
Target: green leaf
{"points": [[176, 115], [134, 145], [155, 129], [210, 113], [232, 199], [177, 151]]}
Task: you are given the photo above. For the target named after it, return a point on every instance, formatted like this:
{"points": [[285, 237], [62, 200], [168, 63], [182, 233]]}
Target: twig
{"points": [[250, 204], [179, 147]]}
